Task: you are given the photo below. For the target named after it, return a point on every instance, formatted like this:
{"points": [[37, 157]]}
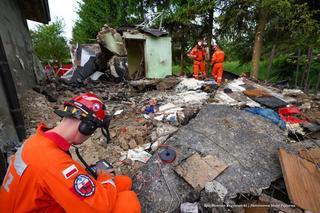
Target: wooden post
{"points": [[297, 72], [273, 53]]}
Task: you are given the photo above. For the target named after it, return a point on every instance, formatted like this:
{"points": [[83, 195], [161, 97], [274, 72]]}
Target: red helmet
{"points": [[91, 111], [88, 104]]}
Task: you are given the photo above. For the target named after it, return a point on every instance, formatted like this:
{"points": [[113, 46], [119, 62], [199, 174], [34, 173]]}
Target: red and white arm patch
{"points": [[83, 186], [70, 171]]}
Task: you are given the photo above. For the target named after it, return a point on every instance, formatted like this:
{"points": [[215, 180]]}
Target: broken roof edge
{"points": [[41, 7], [149, 31]]}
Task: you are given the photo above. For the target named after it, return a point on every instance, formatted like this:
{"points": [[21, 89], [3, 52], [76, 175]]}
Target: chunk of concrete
{"points": [[112, 40], [189, 84], [217, 188], [118, 68], [246, 143], [197, 170]]}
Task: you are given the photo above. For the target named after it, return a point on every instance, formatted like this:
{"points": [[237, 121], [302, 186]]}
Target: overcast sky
{"points": [[63, 9]]}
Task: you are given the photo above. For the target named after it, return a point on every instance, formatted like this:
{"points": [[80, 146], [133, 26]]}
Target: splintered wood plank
{"points": [[257, 93], [302, 180], [198, 171], [312, 155]]}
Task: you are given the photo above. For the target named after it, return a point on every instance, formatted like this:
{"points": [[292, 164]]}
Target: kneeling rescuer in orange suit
{"points": [[42, 176]]}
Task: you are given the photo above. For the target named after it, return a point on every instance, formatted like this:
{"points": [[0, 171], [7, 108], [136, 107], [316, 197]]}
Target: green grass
{"points": [[236, 68], [231, 66], [176, 69]]}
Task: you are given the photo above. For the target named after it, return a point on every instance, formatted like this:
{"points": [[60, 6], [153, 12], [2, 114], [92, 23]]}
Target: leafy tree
{"points": [[93, 14], [49, 43], [186, 22], [252, 24]]}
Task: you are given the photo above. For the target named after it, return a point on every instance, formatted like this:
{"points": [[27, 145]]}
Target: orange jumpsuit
{"points": [[42, 177], [198, 61], [217, 62]]}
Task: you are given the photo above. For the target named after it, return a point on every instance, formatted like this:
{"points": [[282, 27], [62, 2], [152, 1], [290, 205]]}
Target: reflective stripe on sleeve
{"points": [[19, 165], [110, 181]]}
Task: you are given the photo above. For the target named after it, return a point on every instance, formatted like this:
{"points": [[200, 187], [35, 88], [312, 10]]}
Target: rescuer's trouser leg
{"points": [[127, 201], [196, 69], [123, 183], [217, 72], [203, 69]]}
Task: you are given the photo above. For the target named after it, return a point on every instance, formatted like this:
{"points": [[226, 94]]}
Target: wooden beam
{"points": [[302, 180]]}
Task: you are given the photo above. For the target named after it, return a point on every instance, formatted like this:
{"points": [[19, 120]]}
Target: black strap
{"points": [[89, 169]]}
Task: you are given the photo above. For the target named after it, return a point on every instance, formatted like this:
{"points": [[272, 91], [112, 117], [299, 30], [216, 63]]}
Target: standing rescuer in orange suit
{"points": [[217, 63], [42, 176], [198, 55]]}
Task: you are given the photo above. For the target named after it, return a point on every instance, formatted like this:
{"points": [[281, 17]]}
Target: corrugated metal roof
{"points": [[152, 32]]}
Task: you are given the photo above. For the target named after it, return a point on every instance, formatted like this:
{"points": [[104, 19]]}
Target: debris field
{"points": [[226, 140]]}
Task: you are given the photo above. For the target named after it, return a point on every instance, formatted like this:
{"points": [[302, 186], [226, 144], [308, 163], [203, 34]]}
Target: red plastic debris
{"points": [[292, 114]]}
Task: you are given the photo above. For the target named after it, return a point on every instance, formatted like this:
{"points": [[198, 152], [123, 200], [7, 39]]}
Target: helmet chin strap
{"points": [[105, 127], [105, 131], [106, 134]]}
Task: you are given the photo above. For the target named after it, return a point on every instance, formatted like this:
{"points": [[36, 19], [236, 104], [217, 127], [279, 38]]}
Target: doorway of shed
{"points": [[136, 58]]}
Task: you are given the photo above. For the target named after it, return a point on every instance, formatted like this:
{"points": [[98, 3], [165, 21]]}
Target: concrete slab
{"points": [[246, 143]]}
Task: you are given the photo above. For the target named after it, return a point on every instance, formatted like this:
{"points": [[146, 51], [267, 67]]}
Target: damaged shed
{"points": [[149, 53], [148, 50]]}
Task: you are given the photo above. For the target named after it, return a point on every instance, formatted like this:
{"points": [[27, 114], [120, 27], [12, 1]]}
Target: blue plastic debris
{"points": [[268, 114], [149, 109]]}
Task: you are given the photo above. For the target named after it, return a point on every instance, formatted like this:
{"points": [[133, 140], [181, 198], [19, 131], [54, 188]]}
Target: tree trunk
{"points": [[256, 53], [297, 72], [306, 85], [182, 59], [318, 84], [303, 75], [210, 28], [273, 53]]}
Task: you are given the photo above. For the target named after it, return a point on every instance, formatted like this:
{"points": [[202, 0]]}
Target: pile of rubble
{"points": [[227, 157], [135, 132], [141, 123], [225, 141], [36, 109]]}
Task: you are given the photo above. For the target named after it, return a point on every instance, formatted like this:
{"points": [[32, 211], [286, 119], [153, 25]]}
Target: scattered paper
{"points": [[137, 155]]}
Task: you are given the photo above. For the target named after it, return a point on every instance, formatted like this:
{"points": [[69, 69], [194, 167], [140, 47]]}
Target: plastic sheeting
{"points": [[268, 114]]}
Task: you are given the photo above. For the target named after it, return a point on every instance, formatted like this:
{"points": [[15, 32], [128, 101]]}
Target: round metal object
{"points": [[168, 155]]}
